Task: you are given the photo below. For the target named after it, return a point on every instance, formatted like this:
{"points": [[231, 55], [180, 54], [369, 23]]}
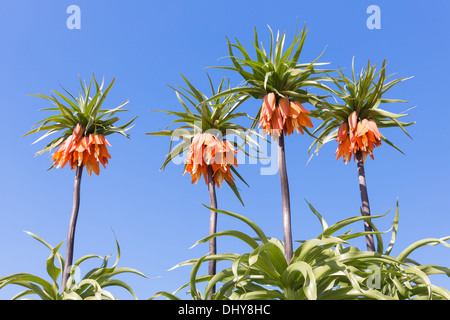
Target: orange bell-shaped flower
{"points": [[207, 150], [285, 116], [357, 136], [79, 150]]}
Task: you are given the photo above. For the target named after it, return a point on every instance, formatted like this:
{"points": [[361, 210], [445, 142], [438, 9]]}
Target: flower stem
{"points": [[212, 226], [364, 199], [73, 222], [288, 251]]}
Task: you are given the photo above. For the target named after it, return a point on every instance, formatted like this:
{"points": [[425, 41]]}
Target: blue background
{"points": [[156, 215]]}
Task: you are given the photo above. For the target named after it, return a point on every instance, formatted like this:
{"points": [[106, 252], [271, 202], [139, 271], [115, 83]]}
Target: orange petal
{"points": [[283, 105], [342, 132], [294, 110], [302, 109], [89, 167], [269, 105], [372, 126], [277, 120], [96, 167], [102, 137], [288, 127], [352, 121], [304, 120], [361, 129]]}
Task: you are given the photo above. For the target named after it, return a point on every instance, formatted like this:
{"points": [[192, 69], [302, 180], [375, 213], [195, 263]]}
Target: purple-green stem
{"points": [[364, 199], [72, 225], [212, 226], [287, 233]]}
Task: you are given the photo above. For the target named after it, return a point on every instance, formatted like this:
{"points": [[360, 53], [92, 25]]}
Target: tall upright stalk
{"points": [[212, 225], [72, 225], [287, 233], [364, 200], [82, 125]]}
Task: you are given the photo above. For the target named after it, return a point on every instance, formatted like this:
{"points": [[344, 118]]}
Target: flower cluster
{"points": [[285, 115], [207, 150], [80, 150], [357, 136]]}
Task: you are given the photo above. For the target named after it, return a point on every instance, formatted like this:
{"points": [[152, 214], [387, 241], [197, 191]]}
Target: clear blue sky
{"points": [[156, 215]]}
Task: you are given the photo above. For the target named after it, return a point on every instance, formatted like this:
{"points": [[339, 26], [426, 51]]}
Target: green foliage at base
{"points": [[90, 287], [324, 268]]}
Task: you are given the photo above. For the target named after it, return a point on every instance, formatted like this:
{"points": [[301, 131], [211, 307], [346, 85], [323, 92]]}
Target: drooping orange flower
{"points": [[357, 136], [207, 150], [344, 148], [79, 150], [285, 115]]}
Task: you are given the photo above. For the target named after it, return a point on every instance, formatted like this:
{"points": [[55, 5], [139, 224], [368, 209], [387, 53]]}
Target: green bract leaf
{"points": [[84, 110], [277, 70], [206, 115], [363, 94]]}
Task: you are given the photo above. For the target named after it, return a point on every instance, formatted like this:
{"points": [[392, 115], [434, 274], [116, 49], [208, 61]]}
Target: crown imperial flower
{"points": [[80, 150], [285, 116], [207, 150], [357, 136]]}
